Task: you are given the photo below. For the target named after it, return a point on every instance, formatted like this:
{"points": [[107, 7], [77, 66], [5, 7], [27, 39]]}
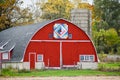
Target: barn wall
{"points": [[39, 65], [23, 65], [87, 65], [16, 65], [41, 44]]}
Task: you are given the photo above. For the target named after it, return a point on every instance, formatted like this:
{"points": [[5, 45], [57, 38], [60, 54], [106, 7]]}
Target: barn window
{"points": [[91, 58], [70, 36], [50, 36], [39, 57], [86, 57], [81, 58], [5, 56]]}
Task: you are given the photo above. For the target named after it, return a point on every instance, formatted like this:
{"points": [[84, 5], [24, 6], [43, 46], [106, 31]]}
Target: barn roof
{"points": [[18, 38]]}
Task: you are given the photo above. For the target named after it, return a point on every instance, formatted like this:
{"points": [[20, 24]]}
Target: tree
{"points": [[106, 41], [11, 14], [56, 9], [108, 11], [85, 6]]}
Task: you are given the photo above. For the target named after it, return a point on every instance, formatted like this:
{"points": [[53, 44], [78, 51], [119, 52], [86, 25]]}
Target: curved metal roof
{"points": [[18, 38]]}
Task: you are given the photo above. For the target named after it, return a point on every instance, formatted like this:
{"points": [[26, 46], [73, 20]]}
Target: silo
{"points": [[82, 18]]}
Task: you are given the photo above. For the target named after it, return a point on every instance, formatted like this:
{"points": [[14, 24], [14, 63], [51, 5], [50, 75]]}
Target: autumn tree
{"points": [[56, 9], [12, 15]]}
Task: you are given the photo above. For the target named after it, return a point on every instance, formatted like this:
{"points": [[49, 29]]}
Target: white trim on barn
{"points": [[61, 55], [60, 40]]}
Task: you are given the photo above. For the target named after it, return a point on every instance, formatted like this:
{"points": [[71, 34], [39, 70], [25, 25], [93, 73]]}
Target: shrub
{"points": [[109, 67], [102, 57], [8, 71]]}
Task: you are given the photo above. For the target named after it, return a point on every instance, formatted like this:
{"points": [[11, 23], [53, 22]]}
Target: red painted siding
{"points": [[51, 50], [74, 50]]}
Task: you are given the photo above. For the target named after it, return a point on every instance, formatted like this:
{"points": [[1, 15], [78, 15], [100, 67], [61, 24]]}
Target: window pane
{"points": [[50, 36], [91, 58], [86, 58], [5, 56], [70, 36], [40, 57], [81, 58]]}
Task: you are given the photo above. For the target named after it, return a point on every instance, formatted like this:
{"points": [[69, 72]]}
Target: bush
{"points": [[118, 50], [9, 71], [102, 57], [109, 67]]}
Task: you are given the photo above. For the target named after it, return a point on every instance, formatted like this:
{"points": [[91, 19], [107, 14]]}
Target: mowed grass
{"points": [[69, 73], [46, 73], [107, 69]]}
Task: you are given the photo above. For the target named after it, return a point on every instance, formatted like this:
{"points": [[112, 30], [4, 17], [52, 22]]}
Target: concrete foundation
{"points": [[87, 65], [22, 65], [40, 65]]}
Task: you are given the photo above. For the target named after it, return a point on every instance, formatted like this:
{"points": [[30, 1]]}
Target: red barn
{"points": [[50, 44]]}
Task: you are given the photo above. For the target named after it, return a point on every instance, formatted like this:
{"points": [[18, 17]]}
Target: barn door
{"points": [[52, 54], [69, 54], [32, 60]]}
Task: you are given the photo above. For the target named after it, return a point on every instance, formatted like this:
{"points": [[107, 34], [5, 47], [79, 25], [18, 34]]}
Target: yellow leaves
{"points": [[12, 15], [3, 19], [50, 8], [85, 5], [7, 3], [56, 9]]}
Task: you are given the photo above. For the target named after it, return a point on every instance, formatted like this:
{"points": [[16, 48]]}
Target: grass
{"points": [[46, 73]]}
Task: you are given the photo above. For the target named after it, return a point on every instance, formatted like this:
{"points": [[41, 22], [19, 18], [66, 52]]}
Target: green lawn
{"points": [[62, 73], [102, 72]]}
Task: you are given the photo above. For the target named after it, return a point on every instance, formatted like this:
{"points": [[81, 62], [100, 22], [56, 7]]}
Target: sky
{"points": [[31, 2]]}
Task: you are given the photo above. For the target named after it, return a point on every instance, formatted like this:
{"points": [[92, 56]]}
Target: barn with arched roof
{"points": [[53, 44]]}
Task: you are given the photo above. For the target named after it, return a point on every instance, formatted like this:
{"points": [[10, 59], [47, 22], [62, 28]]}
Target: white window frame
{"points": [[5, 56], [87, 58], [38, 58]]}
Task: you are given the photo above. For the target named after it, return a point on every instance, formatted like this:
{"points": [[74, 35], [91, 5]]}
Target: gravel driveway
{"points": [[64, 78]]}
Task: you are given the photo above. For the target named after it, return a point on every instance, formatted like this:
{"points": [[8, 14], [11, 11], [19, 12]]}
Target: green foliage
{"points": [[56, 9], [109, 67], [106, 27], [108, 11], [106, 41], [9, 71], [102, 57], [118, 50]]}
